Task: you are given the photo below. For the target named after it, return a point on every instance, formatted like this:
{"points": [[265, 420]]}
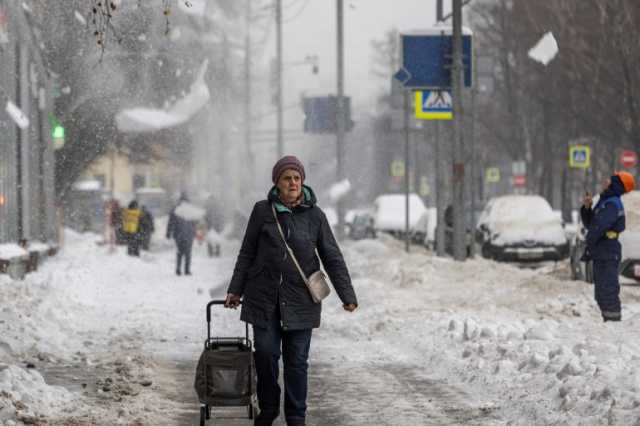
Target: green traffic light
{"points": [[58, 132]]}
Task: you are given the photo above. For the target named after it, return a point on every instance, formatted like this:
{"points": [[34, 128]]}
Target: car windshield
{"points": [[361, 220]]}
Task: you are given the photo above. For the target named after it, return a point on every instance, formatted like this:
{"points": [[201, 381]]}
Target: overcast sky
{"points": [[314, 32]]}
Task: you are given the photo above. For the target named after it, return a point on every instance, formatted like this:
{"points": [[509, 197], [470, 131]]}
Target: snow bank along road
{"points": [[103, 339]]}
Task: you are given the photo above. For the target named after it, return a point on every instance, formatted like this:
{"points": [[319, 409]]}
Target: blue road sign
{"points": [[427, 59]]}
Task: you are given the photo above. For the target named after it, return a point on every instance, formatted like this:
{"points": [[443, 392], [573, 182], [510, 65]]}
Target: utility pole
{"points": [[440, 193], [441, 187], [279, 94], [459, 226], [340, 111], [407, 227], [474, 158]]}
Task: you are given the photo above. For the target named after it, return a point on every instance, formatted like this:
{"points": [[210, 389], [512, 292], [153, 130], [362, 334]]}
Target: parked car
{"points": [[361, 225], [629, 239], [390, 210], [521, 228]]}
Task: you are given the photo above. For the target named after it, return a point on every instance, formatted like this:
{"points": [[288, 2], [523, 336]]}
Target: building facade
{"points": [[27, 206]]}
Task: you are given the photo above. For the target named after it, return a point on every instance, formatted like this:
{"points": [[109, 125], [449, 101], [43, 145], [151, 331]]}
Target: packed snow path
{"points": [[434, 342]]}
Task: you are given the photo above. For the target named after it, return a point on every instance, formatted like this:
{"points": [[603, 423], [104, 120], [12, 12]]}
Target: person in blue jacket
{"points": [[604, 223]]}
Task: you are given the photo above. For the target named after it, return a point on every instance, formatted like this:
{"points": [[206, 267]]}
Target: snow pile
{"points": [[545, 50], [390, 211], [150, 120], [524, 347], [519, 218], [10, 251], [339, 190], [24, 396], [503, 345], [189, 212]]}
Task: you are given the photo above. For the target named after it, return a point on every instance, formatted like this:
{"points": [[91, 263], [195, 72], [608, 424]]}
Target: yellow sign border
{"points": [[493, 177], [422, 115], [586, 164]]}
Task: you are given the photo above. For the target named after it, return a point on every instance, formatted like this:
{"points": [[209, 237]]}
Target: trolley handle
{"points": [[220, 302]]}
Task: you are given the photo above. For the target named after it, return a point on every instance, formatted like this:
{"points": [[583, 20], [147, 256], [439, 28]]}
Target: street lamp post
{"points": [[340, 110], [279, 94]]}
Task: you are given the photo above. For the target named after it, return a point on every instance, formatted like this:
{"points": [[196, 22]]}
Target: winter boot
{"points": [[178, 273], [265, 419]]}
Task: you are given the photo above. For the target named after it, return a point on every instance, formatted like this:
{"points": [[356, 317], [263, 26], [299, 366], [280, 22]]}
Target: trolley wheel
{"points": [[208, 411], [203, 415]]}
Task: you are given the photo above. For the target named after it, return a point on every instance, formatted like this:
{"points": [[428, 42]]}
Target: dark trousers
{"points": [[607, 288], [133, 245], [184, 250], [295, 351]]}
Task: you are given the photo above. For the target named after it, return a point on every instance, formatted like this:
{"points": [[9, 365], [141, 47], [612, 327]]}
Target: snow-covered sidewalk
{"points": [[434, 341]]}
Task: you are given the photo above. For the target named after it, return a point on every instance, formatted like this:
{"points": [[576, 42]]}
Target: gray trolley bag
{"points": [[225, 375]]}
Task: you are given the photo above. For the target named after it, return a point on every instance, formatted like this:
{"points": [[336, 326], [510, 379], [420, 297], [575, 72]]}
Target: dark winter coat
{"points": [[146, 222], [180, 229], [607, 215], [266, 276]]}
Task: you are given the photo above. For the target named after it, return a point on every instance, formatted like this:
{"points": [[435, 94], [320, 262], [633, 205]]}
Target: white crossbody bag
{"points": [[317, 282]]}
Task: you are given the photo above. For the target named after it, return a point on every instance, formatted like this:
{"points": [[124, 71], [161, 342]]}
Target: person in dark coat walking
{"points": [[275, 299], [183, 231], [147, 227], [604, 223]]}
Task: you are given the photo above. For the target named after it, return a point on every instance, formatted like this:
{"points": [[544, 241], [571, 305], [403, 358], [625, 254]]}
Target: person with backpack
{"points": [[131, 228], [604, 223], [286, 238]]}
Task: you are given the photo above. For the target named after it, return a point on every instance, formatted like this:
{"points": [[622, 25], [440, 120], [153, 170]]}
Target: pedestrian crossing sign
{"points": [[434, 105], [579, 157], [493, 175]]}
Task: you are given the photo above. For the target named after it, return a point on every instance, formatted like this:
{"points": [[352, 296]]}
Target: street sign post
{"points": [[579, 157], [434, 105], [427, 58], [628, 159]]}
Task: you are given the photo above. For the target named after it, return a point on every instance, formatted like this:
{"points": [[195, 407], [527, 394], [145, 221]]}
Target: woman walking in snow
{"points": [[275, 297]]}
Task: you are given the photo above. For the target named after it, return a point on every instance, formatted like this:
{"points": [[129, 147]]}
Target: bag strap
{"points": [[293, 256]]}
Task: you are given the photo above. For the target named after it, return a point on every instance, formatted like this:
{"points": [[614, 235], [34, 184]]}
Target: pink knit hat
{"points": [[288, 162]]}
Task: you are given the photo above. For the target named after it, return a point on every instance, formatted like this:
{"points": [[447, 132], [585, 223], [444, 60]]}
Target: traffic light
{"points": [[57, 134]]}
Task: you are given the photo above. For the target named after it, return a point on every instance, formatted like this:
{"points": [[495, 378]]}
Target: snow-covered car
{"points": [[390, 210], [629, 240], [521, 228]]}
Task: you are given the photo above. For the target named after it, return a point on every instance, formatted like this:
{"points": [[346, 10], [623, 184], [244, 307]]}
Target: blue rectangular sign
{"points": [[427, 60]]}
